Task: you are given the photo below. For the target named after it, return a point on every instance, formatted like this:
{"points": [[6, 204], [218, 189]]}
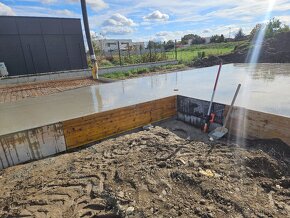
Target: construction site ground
{"points": [[17, 92], [170, 170]]}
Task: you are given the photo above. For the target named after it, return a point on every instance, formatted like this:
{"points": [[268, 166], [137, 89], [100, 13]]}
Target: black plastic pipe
{"points": [[88, 36]]}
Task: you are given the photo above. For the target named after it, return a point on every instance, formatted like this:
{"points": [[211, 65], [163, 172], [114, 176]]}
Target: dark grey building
{"points": [[30, 45]]}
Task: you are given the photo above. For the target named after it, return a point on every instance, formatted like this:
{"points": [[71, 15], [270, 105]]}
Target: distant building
{"points": [[108, 45], [207, 40]]}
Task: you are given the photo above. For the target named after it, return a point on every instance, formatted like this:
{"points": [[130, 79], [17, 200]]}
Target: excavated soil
{"points": [[18, 92], [153, 173]]}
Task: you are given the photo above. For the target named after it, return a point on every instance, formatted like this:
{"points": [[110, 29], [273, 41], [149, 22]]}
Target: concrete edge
{"points": [[37, 143], [74, 74]]}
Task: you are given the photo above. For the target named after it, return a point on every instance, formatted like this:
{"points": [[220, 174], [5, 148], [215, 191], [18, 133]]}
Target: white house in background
{"points": [[108, 45]]}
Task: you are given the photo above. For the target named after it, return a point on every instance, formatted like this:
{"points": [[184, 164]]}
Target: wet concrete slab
{"points": [[264, 89]]}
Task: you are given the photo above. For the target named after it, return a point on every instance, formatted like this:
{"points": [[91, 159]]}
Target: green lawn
{"points": [[188, 54], [140, 71]]}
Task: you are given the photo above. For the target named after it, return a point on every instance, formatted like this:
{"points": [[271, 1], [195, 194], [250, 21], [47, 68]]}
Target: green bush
{"points": [[105, 63]]}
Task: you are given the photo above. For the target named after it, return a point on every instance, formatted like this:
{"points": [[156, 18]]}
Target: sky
{"points": [[160, 20]]}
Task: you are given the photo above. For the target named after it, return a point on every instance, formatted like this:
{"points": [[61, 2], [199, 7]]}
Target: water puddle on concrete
{"points": [[268, 92]]}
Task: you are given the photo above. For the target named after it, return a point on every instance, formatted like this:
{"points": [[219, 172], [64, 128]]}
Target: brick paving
{"points": [[18, 92]]}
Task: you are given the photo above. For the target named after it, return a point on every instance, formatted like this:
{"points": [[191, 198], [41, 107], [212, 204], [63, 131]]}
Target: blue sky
{"points": [[156, 19]]}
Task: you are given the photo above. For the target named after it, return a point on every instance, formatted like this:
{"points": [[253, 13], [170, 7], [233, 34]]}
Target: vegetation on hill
{"points": [[272, 28]]}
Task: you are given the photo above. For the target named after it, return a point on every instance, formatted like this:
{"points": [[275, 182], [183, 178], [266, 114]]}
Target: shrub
{"points": [[105, 63]]}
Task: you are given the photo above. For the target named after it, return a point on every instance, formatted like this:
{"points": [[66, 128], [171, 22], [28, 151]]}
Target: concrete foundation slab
{"points": [[265, 90]]}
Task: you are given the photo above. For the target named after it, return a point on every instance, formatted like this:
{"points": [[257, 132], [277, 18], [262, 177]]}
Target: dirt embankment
{"points": [[152, 173], [274, 50]]}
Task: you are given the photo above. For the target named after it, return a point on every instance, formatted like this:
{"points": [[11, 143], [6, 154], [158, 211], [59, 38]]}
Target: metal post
{"points": [[119, 53], [175, 49], [150, 52], [89, 41], [140, 47], [129, 51]]}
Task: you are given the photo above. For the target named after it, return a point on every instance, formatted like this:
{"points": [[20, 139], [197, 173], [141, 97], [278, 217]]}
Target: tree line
{"points": [[271, 28]]}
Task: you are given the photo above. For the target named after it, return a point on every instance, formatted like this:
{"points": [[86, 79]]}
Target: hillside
{"points": [[274, 50]]}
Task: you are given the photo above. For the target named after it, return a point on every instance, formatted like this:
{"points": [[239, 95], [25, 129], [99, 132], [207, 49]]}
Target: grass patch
{"points": [[186, 55], [140, 71]]}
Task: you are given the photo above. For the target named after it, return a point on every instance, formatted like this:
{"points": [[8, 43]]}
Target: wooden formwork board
{"points": [[253, 124], [84, 130]]}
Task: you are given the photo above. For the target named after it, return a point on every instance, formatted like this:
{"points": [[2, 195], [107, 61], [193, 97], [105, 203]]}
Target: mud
{"points": [[171, 170], [18, 92]]}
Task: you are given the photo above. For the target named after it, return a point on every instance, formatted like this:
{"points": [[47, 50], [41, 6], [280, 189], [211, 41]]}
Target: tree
{"points": [[186, 38], [240, 35], [222, 38], [255, 30], [214, 39], [195, 39], [217, 39], [273, 27], [154, 45], [169, 45]]}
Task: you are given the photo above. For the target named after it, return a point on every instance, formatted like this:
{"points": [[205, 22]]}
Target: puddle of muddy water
{"points": [[268, 93]]}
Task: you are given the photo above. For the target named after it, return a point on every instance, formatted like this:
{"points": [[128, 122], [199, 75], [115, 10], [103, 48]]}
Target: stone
{"points": [[202, 201], [130, 210], [164, 192]]}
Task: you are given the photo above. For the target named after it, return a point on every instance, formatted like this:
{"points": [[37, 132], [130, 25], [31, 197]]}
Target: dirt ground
{"points": [[18, 92], [171, 170]]}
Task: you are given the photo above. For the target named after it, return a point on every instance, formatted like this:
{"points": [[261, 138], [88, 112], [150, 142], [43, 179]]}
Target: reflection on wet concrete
{"points": [[268, 92]]}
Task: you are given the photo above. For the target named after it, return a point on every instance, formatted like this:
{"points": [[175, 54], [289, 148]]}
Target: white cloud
{"points": [[119, 20], [95, 5], [48, 1], [43, 12], [206, 31], [65, 12], [170, 35], [118, 24], [284, 19], [6, 10], [156, 16], [117, 30]]}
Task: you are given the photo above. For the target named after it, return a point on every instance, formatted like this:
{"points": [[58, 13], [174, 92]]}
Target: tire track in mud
{"points": [[148, 174]]}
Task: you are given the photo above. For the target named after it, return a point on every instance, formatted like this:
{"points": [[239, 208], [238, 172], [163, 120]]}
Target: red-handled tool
{"points": [[207, 119]]}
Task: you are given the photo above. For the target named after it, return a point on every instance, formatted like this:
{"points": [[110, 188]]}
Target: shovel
{"points": [[207, 119], [219, 132]]}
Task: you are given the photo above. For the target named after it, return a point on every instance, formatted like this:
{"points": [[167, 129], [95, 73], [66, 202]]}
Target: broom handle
{"points": [[214, 88], [232, 104]]}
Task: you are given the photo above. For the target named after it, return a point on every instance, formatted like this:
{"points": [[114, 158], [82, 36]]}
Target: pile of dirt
{"points": [[273, 50], [152, 173]]}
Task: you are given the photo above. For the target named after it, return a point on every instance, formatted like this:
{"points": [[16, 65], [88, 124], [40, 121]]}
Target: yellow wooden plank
{"points": [[94, 127], [255, 124]]}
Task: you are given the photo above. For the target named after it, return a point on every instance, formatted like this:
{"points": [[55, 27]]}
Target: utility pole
{"points": [[89, 40]]}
